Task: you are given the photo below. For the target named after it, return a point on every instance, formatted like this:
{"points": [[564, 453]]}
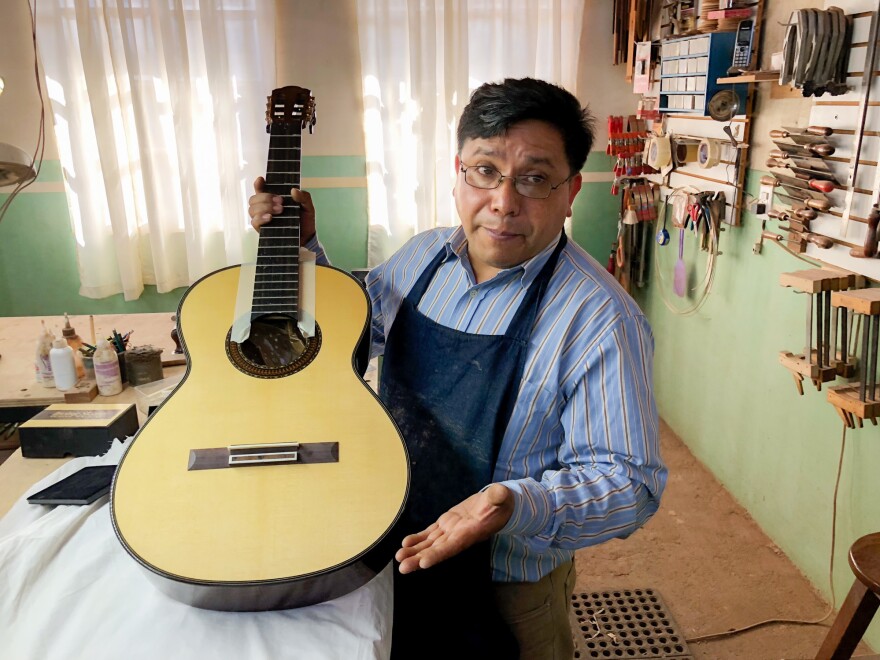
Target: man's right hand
{"points": [[262, 206]]}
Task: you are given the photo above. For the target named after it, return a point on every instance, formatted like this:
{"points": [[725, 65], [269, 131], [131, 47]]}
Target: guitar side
{"points": [[267, 536]]}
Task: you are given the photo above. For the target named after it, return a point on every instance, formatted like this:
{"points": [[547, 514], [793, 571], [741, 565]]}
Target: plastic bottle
{"points": [[75, 342], [107, 369], [43, 365], [63, 365]]}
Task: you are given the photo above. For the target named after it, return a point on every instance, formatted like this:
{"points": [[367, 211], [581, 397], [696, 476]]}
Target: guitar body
{"points": [[267, 536]]}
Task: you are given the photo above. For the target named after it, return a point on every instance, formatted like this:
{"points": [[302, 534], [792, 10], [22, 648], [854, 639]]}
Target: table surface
{"points": [[18, 347]]}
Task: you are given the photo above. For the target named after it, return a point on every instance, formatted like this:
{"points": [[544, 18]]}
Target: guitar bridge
{"points": [[255, 455], [264, 454]]}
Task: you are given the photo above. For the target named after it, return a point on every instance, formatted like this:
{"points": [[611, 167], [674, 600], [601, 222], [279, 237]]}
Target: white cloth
{"points": [[159, 114], [69, 590]]}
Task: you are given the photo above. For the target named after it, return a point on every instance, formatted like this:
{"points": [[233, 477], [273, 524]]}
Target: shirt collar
{"points": [[456, 247]]}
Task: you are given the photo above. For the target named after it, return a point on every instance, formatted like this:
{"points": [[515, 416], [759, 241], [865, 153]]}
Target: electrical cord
{"points": [[830, 611], [680, 200], [39, 151]]}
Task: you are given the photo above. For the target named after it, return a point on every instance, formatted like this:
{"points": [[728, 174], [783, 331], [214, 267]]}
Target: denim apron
{"points": [[452, 394]]}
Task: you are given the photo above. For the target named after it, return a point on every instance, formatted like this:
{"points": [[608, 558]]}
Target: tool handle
{"points": [[871, 234], [771, 236], [822, 242], [769, 181], [821, 149], [782, 216], [778, 153], [821, 185], [779, 134], [818, 204], [773, 162], [806, 214], [822, 131]]}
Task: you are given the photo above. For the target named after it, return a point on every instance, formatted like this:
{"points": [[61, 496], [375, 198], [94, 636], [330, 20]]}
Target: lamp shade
{"points": [[15, 165]]}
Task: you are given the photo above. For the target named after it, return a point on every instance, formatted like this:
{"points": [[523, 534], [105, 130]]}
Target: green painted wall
{"points": [[720, 386], [38, 270]]}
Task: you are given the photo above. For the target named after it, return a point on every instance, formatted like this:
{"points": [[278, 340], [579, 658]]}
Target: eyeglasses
{"points": [[486, 177]]}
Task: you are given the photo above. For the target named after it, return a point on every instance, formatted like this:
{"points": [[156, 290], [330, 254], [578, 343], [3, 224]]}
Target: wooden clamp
{"points": [[825, 362], [859, 401]]}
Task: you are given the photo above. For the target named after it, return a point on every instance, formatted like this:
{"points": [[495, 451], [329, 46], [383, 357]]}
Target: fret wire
{"points": [[277, 274]]}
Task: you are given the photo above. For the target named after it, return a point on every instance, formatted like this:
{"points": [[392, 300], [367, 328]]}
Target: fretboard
{"points": [[276, 285]]}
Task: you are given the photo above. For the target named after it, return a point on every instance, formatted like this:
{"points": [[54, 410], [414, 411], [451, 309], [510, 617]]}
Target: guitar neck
{"points": [[276, 285]]}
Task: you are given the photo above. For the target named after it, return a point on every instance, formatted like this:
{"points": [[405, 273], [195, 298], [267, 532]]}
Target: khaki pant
{"points": [[538, 614]]}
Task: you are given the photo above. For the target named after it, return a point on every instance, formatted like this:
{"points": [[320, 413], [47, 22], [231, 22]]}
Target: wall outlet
{"points": [[765, 200]]}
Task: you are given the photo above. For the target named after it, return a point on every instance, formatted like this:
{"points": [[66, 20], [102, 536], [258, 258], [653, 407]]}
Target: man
{"points": [[520, 375]]}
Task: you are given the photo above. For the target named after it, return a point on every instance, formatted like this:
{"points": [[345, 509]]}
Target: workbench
{"points": [[21, 396], [68, 584]]}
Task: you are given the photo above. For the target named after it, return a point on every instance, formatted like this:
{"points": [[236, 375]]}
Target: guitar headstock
{"points": [[290, 107]]}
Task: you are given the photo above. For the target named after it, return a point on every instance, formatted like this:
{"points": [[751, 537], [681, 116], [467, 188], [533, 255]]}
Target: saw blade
{"points": [[810, 163], [803, 138], [792, 185], [795, 149], [814, 174]]}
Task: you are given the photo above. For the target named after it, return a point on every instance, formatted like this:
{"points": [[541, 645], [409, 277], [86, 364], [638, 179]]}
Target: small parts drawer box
{"points": [[69, 429]]}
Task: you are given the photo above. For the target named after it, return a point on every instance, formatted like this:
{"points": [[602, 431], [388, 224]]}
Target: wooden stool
{"points": [[860, 604]]}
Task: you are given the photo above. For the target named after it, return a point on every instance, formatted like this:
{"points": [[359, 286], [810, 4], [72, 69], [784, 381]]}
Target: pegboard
{"points": [[728, 176], [842, 115], [724, 176]]}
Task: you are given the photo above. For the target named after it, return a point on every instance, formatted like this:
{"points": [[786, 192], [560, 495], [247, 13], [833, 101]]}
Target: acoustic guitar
{"points": [[270, 476]]}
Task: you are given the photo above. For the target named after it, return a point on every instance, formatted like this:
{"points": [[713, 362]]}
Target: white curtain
{"points": [[159, 114], [420, 60]]}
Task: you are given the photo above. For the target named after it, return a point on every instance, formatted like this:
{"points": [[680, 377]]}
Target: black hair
{"points": [[495, 107]]}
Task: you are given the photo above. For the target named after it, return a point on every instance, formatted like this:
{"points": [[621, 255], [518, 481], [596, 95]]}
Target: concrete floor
{"points": [[714, 568]]}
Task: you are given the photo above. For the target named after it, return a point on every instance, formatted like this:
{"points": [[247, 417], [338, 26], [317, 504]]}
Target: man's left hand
{"points": [[474, 520]]}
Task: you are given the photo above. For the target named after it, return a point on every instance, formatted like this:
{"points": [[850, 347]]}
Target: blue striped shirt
{"points": [[581, 451]]}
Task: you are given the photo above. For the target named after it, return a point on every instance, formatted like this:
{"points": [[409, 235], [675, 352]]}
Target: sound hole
{"points": [[275, 348]]}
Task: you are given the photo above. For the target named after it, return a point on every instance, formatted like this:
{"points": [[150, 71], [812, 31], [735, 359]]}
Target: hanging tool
{"points": [[820, 185], [867, 75], [870, 247], [802, 172], [811, 150], [797, 192], [806, 162], [809, 202], [802, 139], [820, 131]]}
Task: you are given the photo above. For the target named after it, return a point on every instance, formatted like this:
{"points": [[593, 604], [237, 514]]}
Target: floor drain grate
{"points": [[625, 623]]}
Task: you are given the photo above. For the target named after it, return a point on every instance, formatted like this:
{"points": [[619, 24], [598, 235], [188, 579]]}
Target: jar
{"points": [[143, 364]]}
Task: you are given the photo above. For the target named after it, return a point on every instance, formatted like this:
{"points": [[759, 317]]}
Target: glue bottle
{"points": [[63, 365], [107, 372], [75, 342], [43, 364]]}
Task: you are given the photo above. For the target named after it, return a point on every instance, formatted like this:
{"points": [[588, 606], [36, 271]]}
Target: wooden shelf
{"points": [[756, 77]]}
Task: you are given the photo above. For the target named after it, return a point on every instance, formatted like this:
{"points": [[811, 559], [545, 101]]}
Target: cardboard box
{"points": [[69, 429]]}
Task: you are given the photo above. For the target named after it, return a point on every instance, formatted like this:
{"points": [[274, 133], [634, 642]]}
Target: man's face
{"points": [[504, 228]]}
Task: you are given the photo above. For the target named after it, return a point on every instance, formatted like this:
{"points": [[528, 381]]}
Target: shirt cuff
{"points": [[315, 246], [532, 508]]}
